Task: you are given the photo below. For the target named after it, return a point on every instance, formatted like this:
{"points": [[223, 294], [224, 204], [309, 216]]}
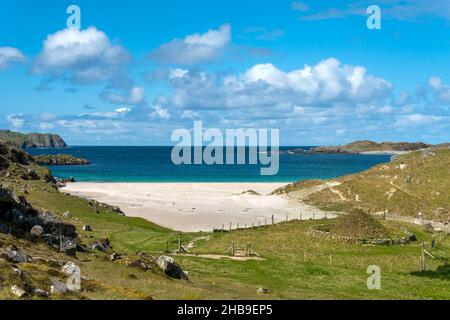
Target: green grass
{"points": [[296, 266], [422, 185]]}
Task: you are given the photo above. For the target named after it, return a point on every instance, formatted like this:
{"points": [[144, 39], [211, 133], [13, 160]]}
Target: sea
{"points": [[154, 164]]}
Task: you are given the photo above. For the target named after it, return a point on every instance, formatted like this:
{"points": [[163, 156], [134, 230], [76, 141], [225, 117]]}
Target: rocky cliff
{"points": [[32, 140]]}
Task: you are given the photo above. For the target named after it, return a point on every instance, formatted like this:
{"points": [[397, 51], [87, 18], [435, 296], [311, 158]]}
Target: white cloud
{"points": [[86, 56], [15, 120], [46, 126], [417, 119], [122, 110], [118, 113], [441, 91], [135, 96], [9, 56], [195, 48], [160, 112], [264, 85]]}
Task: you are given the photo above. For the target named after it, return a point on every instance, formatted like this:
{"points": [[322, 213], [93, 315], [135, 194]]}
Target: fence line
{"points": [[272, 222]]}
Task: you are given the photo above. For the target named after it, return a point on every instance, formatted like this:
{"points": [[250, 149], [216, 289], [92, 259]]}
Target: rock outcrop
{"points": [[60, 160], [171, 268], [23, 219]]}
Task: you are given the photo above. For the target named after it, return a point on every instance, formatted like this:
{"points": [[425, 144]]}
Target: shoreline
{"points": [[195, 207]]}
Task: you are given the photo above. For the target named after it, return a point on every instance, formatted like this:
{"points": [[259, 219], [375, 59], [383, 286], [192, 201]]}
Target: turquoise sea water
{"points": [[153, 164]]}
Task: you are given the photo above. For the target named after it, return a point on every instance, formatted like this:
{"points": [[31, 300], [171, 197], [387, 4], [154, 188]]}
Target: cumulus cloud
{"points": [[264, 85], [85, 56], [9, 55], [195, 48], [441, 91], [135, 96]]}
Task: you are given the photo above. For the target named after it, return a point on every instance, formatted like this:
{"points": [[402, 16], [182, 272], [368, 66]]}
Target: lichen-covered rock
{"points": [[37, 231], [41, 293], [114, 256], [58, 287], [13, 254], [171, 268], [18, 292], [70, 268], [102, 245]]}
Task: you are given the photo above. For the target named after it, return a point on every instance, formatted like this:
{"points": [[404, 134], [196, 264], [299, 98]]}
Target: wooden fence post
{"points": [[422, 258], [273, 220]]}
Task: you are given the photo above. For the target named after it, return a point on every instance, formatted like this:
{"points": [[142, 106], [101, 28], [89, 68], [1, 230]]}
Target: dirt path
{"points": [[219, 256]]}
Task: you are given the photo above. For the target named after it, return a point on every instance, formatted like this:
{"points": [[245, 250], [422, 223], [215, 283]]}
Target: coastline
{"points": [[194, 207]]}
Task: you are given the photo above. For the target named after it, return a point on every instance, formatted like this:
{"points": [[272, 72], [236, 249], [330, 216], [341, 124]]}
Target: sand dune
{"points": [[192, 207]]}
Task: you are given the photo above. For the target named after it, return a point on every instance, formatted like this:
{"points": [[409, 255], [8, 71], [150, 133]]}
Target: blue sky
{"points": [[139, 69]]}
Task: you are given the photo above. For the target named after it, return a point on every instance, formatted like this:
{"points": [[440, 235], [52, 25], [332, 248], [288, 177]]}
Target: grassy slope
{"points": [[423, 185], [284, 247], [284, 272]]}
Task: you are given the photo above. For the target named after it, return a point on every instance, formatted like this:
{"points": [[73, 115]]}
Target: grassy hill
{"points": [[292, 265], [414, 182]]}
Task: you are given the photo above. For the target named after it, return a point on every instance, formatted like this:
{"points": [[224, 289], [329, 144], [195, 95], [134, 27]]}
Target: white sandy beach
{"points": [[191, 207]]}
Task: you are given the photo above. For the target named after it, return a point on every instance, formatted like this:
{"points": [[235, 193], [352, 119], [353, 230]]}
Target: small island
{"points": [[60, 160]]}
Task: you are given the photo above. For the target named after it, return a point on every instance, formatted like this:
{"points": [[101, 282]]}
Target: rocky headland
{"points": [[371, 147], [32, 140]]}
